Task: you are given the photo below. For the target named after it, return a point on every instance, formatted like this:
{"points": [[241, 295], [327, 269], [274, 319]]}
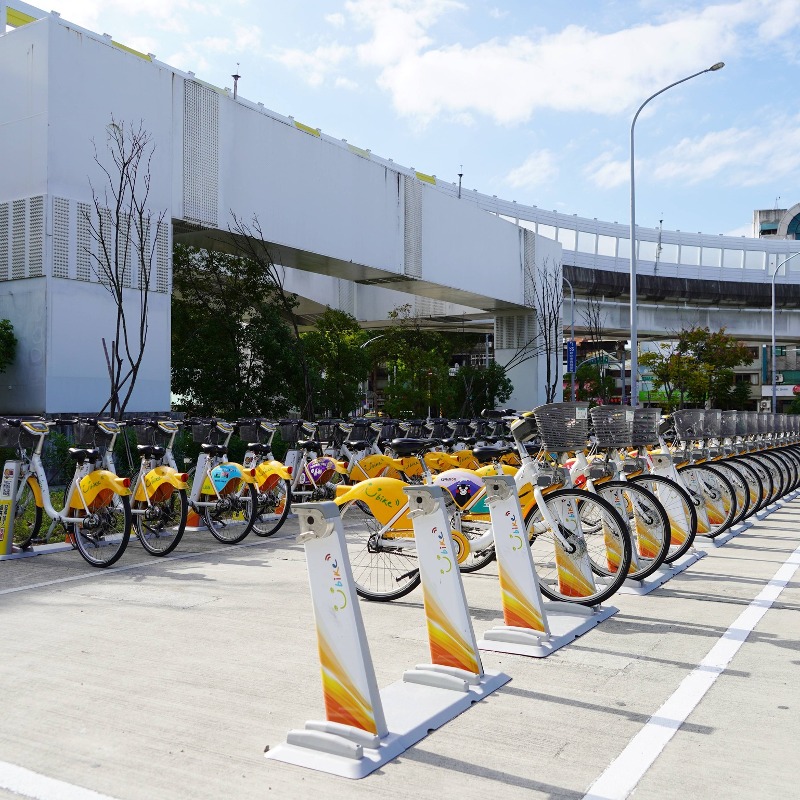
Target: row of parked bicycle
{"points": [[605, 496]]}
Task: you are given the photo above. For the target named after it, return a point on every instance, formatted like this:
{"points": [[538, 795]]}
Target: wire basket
{"points": [[764, 422], [612, 426], [362, 431], [151, 435], [645, 426], [249, 430], [289, 430], [415, 429], [438, 428], [712, 423], [83, 434], [689, 424], [9, 436], [563, 426], [730, 424], [209, 432], [329, 432], [461, 427]]}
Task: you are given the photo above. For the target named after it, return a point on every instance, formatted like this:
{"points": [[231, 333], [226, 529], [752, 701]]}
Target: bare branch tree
{"points": [[548, 298], [247, 239], [594, 318], [126, 233]]}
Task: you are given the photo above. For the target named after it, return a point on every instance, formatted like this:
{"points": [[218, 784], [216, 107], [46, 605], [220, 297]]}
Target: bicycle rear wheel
{"points": [[231, 519], [272, 509], [594, 532], [27, 517], [382, 571], [160, 526], [715, 492], [103, 536]]}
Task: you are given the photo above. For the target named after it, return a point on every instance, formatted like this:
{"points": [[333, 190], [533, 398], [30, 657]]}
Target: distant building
{"points": [[777, 223]]}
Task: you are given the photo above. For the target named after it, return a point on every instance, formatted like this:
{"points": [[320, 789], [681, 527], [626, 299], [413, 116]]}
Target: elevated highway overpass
{"points": [[354, 230]]}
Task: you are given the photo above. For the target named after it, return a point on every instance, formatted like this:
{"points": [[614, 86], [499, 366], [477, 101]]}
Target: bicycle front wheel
{"points": [[382, 568], [231, 519], [714, 491], [102, 537], [590, 558], [273, 508], [160, 526], [27, 517]]}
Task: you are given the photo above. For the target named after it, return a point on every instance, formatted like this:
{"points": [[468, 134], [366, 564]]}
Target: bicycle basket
{"points": [[248, 430], [290, 431], [415, 429], [763, 422], [209, 433], [151, 435], [689, 424], [438, 429], [644, 431], [612, 426], [329, 432], [730, 423], [712, 423], [83, 434], [563, 426], [9, 436]]}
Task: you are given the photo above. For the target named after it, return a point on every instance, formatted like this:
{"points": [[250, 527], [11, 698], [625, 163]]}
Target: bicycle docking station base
{"points": [[532, 627], [366, 728], [664, 573], [8, 511]]}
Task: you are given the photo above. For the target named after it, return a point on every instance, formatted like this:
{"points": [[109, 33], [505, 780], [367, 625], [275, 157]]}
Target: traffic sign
{"points": [[572, 355]]}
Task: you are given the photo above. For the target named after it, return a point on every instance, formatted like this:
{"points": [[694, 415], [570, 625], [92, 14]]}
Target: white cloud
{"points": [[345, 83], [731, 157], [496, 13], [538, 169], [314, 65], [337, 20]]}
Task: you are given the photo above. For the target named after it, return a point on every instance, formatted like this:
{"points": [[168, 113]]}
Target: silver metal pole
{"points": [[774, 359], [634, 393], [572, 333]]}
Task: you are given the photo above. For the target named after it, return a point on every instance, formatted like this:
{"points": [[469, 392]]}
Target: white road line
{"points": [[156, 561], [30, 784], [624, 773]]}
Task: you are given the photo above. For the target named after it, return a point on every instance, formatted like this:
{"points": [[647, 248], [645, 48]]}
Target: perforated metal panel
{"points": [[200, 153], [18, 240], [36, 236], [529, 267], [125, 245], [5, 215], [83, 260], [162, 260], [105, 248], [61, 229], [347, 297], [412, 232], [514, 331]]}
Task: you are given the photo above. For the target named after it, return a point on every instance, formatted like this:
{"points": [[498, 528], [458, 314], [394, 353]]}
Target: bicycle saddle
{"points": [[150, 450], [213, 449], [258, 447], [409, 447], [91, 454], [484, 455]]}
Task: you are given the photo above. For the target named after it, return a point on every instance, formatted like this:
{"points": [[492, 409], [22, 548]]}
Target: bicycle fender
{"points": [[269, 473], [100, 480], [154, 479], [370, 467], [384, 496], [224, 473]]}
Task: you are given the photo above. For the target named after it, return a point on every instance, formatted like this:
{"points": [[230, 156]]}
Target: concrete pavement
{"points": [[168, 678]]}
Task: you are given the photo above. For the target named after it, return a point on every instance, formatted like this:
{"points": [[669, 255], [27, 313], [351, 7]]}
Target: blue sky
{"points": [[534, 98]]}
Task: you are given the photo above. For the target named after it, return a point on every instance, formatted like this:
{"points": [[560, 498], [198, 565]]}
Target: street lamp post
{"points": [[774, 365], [634, 392], [572, 333], [366, 384]]}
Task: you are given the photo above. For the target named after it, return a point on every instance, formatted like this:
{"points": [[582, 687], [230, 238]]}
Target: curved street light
{"points": [[634, 393], [774, 365]]}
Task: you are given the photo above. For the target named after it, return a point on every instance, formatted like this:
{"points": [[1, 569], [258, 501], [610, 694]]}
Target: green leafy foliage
{"points": [[233, 354], [8, 344]]}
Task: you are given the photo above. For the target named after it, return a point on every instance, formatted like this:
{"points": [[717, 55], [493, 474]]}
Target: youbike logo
{"points": [[514, 532], [337, 587], [443, 554]]}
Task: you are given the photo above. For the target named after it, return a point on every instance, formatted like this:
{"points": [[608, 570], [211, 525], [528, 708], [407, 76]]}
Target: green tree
{"points": [[339, 361], [232, 352], [478, 388], [593, 382], [8, 344]]}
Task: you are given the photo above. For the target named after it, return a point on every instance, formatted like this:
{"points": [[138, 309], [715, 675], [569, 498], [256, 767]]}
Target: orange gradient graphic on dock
{"points": [[517, 611], [448, 646]]}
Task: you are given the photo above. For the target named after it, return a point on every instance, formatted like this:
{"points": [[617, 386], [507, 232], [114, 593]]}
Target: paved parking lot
{"points": [[168, 678]]}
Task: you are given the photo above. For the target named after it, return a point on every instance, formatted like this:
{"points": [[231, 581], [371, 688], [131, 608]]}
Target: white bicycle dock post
{"points": [[456, 664], [8, 510], [532, 627]]}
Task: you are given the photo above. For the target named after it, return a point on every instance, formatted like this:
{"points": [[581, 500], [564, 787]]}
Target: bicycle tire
{"points": [[649, 528], [739, 485], [232, 519], [379, 572], [713, 483], [598, 518], [27, 516], [274, 503], [104, 543], [754, 485], [161, 529], [764, 477], [678, 504]]}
